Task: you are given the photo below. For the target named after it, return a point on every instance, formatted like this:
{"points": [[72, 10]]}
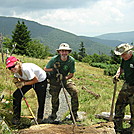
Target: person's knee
{"points": [[74, 94], [15, 94], [54, 90]]}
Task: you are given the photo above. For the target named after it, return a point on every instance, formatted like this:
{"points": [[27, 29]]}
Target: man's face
{"points": [[64, 53], [126, 56]]}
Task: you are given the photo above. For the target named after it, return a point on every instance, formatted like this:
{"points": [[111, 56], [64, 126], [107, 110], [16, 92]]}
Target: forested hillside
{"points": [[53, 37]]}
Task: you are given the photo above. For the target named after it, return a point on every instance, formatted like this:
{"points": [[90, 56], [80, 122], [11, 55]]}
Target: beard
{"points": [[64, 56]]}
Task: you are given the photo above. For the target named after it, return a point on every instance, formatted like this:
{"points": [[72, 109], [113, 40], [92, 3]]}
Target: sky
{"points": [[81, 17]]}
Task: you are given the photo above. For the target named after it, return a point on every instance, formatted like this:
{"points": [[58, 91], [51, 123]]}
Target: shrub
{"points": [[37, 50], [112, 69], [87, 59]]}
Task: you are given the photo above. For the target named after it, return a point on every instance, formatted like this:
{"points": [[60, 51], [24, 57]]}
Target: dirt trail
{"points": [[102, 128], [63, 108]]}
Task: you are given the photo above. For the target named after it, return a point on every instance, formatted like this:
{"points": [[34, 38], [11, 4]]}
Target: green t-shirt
{"points": [[128, 67], [66, 67]]}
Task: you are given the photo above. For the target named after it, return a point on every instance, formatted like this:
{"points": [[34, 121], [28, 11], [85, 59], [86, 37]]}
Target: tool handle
{"points": [[28, 106], [113, 99], [74, 122]]}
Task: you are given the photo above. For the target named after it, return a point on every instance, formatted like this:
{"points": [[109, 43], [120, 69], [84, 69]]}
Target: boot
{"points": [[75, 117], [118, 126], [15, 121], [40, 121], [52, 117]]}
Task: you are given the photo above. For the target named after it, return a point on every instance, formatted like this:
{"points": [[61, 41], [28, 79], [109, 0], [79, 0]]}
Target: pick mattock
{"points": [[112, 106], [28, 106], [74, 122]]}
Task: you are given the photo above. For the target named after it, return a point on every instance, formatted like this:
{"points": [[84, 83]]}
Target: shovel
{"points": [[113, 99]]}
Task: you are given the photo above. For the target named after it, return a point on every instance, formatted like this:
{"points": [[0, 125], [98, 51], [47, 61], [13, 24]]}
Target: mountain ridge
{"points": [[121, 36], [53, 37]]}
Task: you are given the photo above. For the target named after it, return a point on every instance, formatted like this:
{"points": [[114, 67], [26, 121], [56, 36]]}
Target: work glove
{"points": [[20, 84], [115, 79], [57, 65], [59, 77], [15, 80]]}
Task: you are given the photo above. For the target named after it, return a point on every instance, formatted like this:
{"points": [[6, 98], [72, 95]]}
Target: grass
{"points": [[90, 77]]}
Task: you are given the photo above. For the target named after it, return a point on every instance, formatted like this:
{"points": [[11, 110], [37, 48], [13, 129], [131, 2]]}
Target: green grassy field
{"points": [[90, 77]]}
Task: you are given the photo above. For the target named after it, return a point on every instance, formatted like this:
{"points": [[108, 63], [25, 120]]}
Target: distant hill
{"points": [[123, 36], [109, 42], [53, 37]]}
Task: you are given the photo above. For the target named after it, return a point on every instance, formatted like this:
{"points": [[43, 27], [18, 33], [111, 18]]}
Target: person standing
{"points": [[126, 94], [66, 66], [27, 76]]}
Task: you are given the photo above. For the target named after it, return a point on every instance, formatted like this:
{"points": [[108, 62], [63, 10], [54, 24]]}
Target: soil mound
{"points": [[102, 128]]}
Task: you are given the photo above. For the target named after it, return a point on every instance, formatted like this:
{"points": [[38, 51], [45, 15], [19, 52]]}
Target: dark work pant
{"points": [[55, 89], [125, 97], [40, 89]]}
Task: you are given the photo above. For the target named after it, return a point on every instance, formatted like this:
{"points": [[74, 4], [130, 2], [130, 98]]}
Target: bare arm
{"points": [[51, 69], [69, 76], [31, 82], [48, 69], [119, 72]]}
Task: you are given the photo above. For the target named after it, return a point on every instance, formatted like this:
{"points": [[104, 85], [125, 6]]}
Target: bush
{"points": [[109, 69], [87, 59], [112, 69], [37, 50]]}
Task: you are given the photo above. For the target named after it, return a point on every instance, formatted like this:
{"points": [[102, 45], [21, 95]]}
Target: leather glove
{"points": [[15, 80], [57, 65], [20, 84], [59, 77], [115, 78]]}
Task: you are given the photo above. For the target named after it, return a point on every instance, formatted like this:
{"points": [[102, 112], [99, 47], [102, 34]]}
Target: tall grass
{"points": [[90, 77], [94, 79]]}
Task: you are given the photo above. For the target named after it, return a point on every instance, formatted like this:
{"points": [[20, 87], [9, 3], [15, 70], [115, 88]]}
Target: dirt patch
{"points": [[102, 128]]}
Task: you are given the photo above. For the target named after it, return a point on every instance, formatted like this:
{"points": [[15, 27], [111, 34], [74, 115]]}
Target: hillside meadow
{"points": [[90, 77]]}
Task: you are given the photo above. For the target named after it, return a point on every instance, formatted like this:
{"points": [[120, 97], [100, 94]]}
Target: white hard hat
{"points": [[64, 46]]}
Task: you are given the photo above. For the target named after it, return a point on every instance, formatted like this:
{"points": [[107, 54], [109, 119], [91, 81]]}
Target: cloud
{"points": [[44, 4], [81, 17], [84, 20]]}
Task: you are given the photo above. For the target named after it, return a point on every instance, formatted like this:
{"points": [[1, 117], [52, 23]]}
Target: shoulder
{"points": [[55, 57], [71, 58], [26, 66]]}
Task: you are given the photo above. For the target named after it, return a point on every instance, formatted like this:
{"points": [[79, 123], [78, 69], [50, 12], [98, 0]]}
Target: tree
{"points": [[82, 51], [21, 36], [37, 50], [74, 55], [7, 44]]}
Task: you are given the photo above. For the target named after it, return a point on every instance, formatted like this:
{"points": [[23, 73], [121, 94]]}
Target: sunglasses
{"points": [[11, 67]]}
